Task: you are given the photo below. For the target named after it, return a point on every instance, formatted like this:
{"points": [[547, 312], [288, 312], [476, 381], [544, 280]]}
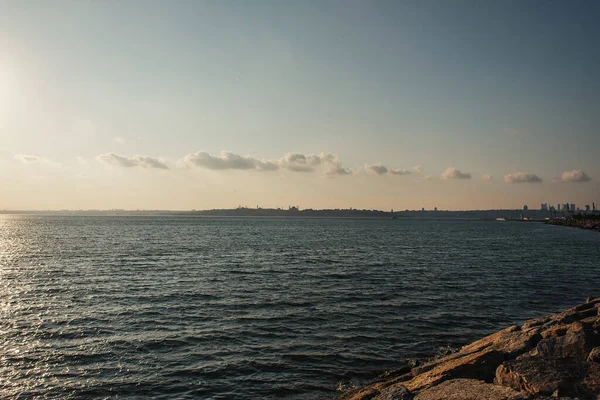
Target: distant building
{"points": [[573, 208], [544, 207], [525, 208], [558, 207], [587, 208], [434, 208]]}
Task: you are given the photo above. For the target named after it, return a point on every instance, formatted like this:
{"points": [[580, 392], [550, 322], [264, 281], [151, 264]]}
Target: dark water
{"points": [[171, 308]]}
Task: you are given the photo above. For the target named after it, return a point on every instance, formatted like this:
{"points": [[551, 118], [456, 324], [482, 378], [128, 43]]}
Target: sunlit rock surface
{"points": [[555, 356]]}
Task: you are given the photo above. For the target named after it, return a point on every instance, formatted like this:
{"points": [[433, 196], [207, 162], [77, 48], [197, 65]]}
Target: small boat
{"points": [[500, 219]]}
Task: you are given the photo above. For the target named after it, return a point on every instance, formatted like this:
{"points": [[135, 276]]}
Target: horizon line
{"points": [[122, 210]]}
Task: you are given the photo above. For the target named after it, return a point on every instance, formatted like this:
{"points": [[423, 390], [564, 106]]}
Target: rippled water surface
{"points": [[163, 307]]}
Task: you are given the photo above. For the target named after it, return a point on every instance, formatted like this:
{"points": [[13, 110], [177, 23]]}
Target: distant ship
{"points": [[500, 219]]}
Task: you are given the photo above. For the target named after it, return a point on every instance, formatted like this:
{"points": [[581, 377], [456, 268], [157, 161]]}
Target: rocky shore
{"points": [[592, 223], [555, 356]]}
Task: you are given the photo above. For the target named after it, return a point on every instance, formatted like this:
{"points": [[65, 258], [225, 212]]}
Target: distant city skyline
{"points": [[376, 105], [564, 208]]}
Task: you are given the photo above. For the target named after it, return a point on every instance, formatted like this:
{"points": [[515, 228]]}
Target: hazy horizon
{"points": [[376, 105], [534, 208]]}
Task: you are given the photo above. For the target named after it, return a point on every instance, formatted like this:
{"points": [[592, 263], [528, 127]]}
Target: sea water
{"points": [[233, 308]]}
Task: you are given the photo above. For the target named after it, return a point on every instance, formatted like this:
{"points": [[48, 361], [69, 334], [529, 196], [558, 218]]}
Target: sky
{"points": [[320, 104]]}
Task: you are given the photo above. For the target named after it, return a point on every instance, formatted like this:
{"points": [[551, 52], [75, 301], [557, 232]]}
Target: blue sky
{"points": [[483, 87]]}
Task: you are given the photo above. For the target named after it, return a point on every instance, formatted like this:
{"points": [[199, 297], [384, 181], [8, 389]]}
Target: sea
{"points": [[260, 308]]}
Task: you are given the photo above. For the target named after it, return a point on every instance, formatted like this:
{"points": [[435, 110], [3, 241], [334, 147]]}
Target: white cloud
{"points": [[453, 173], [576, 175], [335, 168], [378, 168], [81, 160], [298, 162], [227, 160], [486, 178], [381, 169], [120, 140], [333, 165], [129, 162], [27, 159], [115, 159], [150, 162], [417, 169], [295, 162], [522, 177], [31, 159], [400, 171]]}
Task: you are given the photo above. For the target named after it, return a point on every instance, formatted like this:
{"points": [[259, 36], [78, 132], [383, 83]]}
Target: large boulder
{"points": [[575, 342], [540, 375], [559, 364], [478, 360]]}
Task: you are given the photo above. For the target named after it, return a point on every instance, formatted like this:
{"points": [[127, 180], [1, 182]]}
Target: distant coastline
{"points": [[294, 212]]}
